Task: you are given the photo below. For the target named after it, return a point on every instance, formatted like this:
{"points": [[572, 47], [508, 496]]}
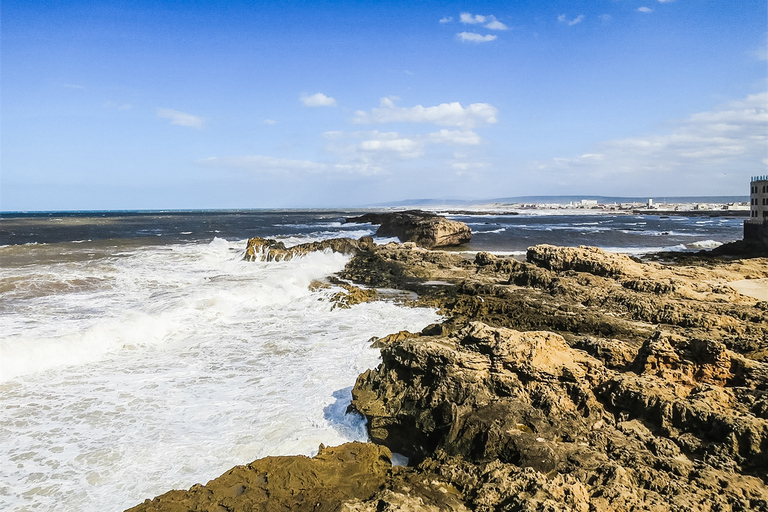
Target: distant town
{"points": [[740, 209]]}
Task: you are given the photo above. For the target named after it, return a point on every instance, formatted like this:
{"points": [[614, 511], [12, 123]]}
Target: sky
{"points": [[140, 104]]}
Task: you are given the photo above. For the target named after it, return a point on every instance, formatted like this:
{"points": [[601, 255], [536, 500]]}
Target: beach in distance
{"points": [[141, 353]]}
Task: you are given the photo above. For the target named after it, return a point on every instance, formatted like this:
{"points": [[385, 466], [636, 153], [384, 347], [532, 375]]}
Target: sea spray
{"points": [[168, 365]]}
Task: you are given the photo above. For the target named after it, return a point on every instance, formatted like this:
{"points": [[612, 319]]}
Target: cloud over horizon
{"points": [[708, 145]]}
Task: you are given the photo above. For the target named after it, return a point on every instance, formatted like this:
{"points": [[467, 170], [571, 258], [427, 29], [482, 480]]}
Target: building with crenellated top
{"points": [[756, 228]]}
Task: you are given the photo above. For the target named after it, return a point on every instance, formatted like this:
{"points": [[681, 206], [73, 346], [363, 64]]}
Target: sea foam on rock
{"points": [[576, 380]]}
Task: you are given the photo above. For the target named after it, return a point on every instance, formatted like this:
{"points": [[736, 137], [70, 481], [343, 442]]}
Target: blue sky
{"points": [[206, 104]]}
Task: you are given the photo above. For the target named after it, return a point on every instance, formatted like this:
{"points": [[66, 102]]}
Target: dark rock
{"points": [[423, 228], [267, 249]]}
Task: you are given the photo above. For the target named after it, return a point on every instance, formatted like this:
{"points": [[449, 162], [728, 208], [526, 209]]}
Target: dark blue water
{"points": [[504, 233]]}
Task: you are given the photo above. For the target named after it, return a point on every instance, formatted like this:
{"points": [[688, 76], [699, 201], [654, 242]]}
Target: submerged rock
{"points": [[423, 228]]}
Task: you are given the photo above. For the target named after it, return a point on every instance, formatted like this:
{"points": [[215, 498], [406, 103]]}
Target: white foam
{"points": [[705, 244], [176, 364]]}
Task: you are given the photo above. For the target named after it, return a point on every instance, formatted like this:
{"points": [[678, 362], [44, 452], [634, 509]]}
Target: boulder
{"points": [[425, 229]]}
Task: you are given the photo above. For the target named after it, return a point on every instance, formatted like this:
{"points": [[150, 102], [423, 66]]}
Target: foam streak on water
{"points": [[126, 373]]}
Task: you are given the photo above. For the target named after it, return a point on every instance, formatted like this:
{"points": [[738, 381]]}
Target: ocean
{"points": [[140, 353]]}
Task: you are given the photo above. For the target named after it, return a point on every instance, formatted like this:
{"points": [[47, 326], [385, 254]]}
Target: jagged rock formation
{"points": [[578, 380], [662, 435], [268, 249], [423, 228]]}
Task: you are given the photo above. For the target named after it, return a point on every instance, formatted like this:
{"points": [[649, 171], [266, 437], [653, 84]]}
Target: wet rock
{"points": [[576, 380], [423, 228], [267, 249]]}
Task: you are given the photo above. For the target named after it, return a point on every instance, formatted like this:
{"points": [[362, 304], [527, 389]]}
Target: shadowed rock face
{"points": [[495, 397], [423, 228], [578, 380]]}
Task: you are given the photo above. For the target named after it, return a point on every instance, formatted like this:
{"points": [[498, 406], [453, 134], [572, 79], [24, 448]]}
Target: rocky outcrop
{"points": [[423, 228], [577, 380], [353, 477], [530, 412], [268, 249]]}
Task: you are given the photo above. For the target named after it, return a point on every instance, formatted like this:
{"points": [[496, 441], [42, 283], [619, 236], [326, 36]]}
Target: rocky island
{"points": [[576, 380]]}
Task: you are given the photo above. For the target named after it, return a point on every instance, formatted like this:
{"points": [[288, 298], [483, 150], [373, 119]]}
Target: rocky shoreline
{"points": [[575, 380]]}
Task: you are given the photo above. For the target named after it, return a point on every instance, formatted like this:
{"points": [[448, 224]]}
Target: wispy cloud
{"points": [[73, 86], [472, 37], [444, 114], [575, 21], [731, 138], [665, 1], [270, 122], [446, 19], [181, 118], [645, 10], [317, 100]]}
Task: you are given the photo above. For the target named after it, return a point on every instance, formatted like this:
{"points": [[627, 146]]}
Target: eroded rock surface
{"points": [[423, 228], [521, 417], [577, 380]]}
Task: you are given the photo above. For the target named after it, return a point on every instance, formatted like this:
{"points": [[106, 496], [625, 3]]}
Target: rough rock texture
{"points": [[577, 380], [350, 477], [534, 421], [268, 249], [423, 228]]}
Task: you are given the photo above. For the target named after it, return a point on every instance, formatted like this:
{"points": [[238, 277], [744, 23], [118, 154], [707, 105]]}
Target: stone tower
{"points": [[756, 228]]}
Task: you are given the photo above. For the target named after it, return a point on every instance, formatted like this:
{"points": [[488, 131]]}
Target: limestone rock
{"points": [[425, 229], [522, 418]]}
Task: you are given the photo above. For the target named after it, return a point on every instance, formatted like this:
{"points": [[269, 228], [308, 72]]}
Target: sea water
{"points": [[140, 353]]}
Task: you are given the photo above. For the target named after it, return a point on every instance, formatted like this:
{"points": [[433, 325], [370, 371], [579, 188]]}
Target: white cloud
{"points": [[470, 19], [489, 22], [375, 151], [393, 143], [446, 19], [731, 138], [472, 37], [455, 137], [270, 122], [181, 118], [496, 25], [665, 1], [606, 18], [318, 100], [264, 164], [445, 114], [645, 10], [575, 21]]}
